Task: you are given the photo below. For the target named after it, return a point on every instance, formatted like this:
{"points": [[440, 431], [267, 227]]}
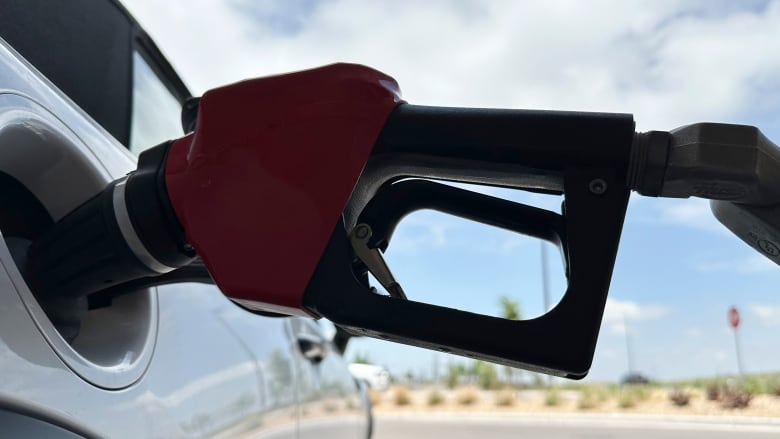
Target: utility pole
{"points": [[545, 279], [629, 345], [435, 368], [545, 290]]}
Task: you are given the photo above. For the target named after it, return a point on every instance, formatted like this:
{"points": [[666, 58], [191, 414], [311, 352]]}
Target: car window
{"points": [[156, 112]]}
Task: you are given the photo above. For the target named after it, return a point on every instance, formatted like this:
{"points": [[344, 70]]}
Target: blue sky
{"points": [[668, 62]]}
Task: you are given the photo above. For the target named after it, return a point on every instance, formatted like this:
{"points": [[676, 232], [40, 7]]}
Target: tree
{"points": [[454, 372], [510, 310], [487, 378], [361, 358]]}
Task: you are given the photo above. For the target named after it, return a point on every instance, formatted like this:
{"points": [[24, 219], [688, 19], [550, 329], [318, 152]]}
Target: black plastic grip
{"points": [[84, 252], [524, 149], [125, 233], [545, 140], [395, 201]]}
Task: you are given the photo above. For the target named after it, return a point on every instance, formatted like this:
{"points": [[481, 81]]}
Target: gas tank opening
{"points": [[46, 170], [23, 219]]}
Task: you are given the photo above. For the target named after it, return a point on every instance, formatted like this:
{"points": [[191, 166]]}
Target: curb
{"points": [[617, 420]]}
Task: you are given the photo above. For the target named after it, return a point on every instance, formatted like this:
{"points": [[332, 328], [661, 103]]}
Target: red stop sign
{"points": [[733, 317]]}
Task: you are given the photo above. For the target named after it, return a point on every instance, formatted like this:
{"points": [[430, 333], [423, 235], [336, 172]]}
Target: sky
{"points": [[669, 63]]}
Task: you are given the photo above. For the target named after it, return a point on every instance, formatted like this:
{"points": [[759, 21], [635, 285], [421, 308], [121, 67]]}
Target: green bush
{"points": [[632, 395], [757, 385], [552, 398], [435, 398], [588, 398], [627, 400]]}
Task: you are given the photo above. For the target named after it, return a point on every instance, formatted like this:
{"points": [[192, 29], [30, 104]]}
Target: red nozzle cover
{"points": [[261, 183]]}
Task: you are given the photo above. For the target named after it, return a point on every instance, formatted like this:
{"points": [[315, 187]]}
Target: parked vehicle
{"points": [[82, 90], [377, 377]]}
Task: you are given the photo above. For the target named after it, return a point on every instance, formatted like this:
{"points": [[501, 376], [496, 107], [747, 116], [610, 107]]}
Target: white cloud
{"points": [[619, 312], [688, 212], [768, 315], [751, 265], [421, 231], [669, 62], [694, 332]]}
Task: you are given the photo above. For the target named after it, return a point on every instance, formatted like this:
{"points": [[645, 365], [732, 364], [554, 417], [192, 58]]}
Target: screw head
{"points": [[362, 231], [597, 186]]}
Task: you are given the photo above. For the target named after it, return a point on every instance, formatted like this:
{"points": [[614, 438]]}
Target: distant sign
{"points": [[734, 317]]}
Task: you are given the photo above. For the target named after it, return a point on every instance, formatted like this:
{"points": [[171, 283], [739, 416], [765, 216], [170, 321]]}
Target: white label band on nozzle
{"points": [[129, 233]]}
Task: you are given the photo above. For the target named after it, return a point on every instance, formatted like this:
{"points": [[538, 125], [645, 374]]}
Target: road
{"points": [[564, 427]]}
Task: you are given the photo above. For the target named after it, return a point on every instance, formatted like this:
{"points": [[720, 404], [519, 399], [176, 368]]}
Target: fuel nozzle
{"points": [[734, 166], [253, 193], [289, 189], [126, 232]]}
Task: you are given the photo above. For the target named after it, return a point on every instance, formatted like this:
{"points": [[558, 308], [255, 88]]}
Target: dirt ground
{"points": [[653, 401]]}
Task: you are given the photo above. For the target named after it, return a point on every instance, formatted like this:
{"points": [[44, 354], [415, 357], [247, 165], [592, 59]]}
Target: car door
{"points": [[331, 403]]}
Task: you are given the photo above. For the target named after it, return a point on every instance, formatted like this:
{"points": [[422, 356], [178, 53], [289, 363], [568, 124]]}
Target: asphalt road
{"points": [[459, 427]]}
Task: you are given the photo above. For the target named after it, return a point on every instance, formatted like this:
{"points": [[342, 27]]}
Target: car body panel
{"points": [[208, 368]]}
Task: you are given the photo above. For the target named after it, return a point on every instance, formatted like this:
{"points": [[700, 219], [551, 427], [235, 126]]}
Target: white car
{"points": [[377, 377], [82, 91]]}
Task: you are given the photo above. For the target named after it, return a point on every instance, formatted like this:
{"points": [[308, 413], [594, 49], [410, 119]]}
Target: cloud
{"points": [[694, 332], [768, 315], [750, 265], [619, 312], [422, 230], [688, 212], [670, 64]]}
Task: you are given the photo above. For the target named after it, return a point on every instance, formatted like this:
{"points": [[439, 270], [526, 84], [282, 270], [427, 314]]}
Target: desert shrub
{"points": [[374, 396], [435, 398], [552, 398], [736, 399], [713, 392], [467, 396], [505, 398], [588, 398], [756, 385], [641, 392], [401, 396], [630, 396], [627, 400], [603, 393], [679, 397]]}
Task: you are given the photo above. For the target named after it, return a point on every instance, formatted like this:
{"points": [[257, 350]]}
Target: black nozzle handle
{"points": [[394, 201], [478, 140]]}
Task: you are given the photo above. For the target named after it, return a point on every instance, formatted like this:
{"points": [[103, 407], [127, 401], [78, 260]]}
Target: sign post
{"points": [[734, 322]]}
